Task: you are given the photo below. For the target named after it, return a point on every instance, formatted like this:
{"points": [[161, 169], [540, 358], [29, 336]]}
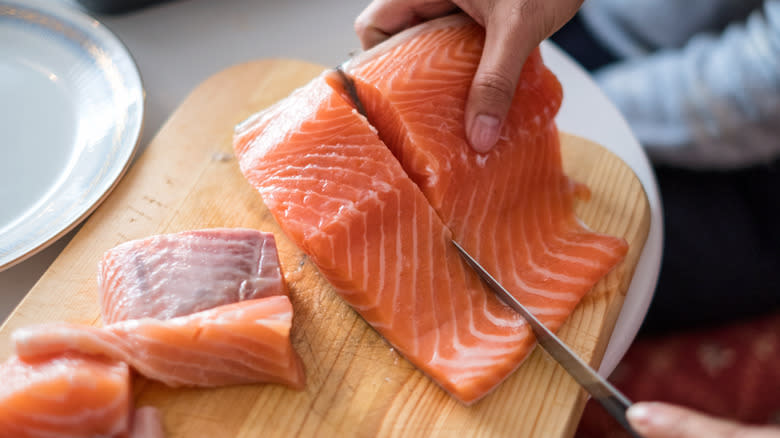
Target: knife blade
{"points": [[349, 87], [607, 395]]}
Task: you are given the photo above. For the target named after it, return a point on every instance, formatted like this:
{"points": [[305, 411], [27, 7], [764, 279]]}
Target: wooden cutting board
{"points": [[357, 385]]}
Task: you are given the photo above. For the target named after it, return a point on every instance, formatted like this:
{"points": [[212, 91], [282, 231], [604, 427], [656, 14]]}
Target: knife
{"points": [[349, 87], [613, 400]]}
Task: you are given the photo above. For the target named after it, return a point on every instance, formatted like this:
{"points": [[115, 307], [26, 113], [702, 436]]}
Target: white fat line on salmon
{"points": [[521, 285], [473, 358], [281, 175], [530, 260], [415, 256], [364, 286], [85, 416], [514, 319], [500, 339], [432, 286], [548, 311], [583, 261]]}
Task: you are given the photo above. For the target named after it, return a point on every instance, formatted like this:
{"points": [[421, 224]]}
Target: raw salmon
{"points": [[72, 380], [70, 395], [511, 208], [244, 342], [379, 225], [338, 192], [178, 274]]}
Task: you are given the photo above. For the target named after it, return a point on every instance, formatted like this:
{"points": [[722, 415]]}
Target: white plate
{"points": [[71, 109], [587, 112]]}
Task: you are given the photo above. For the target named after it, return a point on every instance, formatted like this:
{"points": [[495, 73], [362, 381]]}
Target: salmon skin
{"points": [[178, 274], [70, 395], [244, 342], [375, 202]]}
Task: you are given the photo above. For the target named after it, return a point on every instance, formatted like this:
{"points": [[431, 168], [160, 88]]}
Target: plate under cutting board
{"points": [[357, 385]]}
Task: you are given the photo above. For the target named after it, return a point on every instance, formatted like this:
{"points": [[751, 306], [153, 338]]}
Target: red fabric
{"points": [[731, 372]]}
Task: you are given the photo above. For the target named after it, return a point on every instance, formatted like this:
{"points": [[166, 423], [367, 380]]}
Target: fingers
{"points": [[660, 420], [383, 18], [147, 423], [490, 96], [513, 29]]}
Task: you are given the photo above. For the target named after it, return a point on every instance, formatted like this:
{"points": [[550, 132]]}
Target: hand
{"points": [[660, 420], [513, 28]]}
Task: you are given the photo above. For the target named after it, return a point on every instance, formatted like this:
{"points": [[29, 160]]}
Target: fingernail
{"points": [[645, 417], [484, 132]]}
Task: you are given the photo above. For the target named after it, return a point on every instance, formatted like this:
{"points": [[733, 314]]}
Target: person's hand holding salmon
{"points": [[513, 29]]}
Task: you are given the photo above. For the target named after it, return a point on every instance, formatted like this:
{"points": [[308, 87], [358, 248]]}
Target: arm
{"points": [[714, 103]]}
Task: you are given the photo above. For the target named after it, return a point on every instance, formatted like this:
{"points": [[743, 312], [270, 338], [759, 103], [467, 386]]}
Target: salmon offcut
{"points": [[69, 395], [172, 275], [245, 342], [375, 202], [73, 380]]}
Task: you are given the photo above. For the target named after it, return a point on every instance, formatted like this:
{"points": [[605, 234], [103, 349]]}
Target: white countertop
{"points": [[179, 44]]}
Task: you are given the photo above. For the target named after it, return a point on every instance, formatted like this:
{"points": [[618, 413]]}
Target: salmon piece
{"points": [[511, 208], [375, 202], [73, 380], [178, 274], [341, 196], [71, 395], [245, 342]]}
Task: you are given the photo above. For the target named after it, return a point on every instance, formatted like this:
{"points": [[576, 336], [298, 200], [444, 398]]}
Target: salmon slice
{"points": [[341, 196], [245, 342], [178, 274], [511, 208], [71, 395]]}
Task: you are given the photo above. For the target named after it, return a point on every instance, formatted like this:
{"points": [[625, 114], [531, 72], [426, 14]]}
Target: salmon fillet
{"points": [[339, 194], [71, 395], [178, 274], [375, 202], [511, 208], [245, 342]]}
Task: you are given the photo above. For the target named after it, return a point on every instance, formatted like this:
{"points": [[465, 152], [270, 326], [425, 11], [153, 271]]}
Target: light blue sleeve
{"points": [[714, 103]]}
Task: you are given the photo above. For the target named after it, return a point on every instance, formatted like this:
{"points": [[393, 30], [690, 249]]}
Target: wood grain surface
{"points": [[357, 384]]}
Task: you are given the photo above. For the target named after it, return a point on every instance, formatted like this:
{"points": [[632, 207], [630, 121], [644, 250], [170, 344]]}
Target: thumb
{"points": [[493, 87], [660, 420]]}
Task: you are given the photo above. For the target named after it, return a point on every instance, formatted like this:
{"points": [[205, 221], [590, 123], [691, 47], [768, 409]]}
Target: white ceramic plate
{"points": [[71, 110], [586, 111]]}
